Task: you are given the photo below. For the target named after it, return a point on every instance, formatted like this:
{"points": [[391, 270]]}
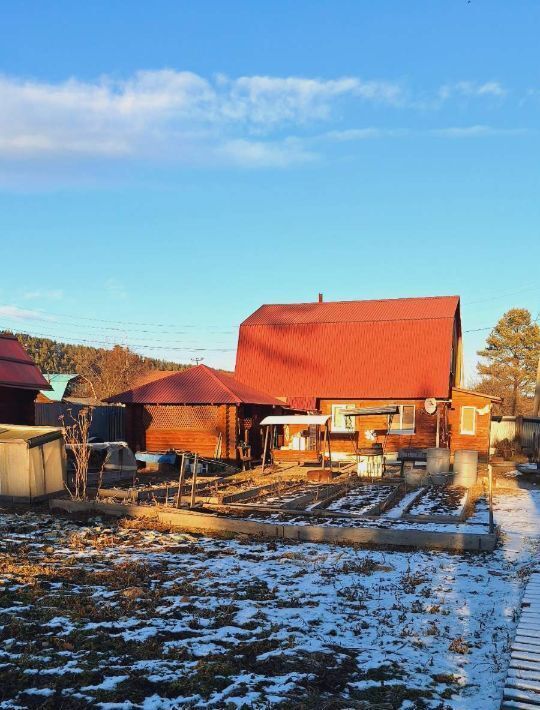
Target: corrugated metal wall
{"points": [[522, 428], [107, 421]]}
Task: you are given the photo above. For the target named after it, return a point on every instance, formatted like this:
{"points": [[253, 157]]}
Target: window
{"points": [[341, 423], [468, 421], [404, 421]]}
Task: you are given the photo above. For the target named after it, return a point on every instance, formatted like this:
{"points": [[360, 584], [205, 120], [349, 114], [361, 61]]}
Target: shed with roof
{"points": [[20, 382]]}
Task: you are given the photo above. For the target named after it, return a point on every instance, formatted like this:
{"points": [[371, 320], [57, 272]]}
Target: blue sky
{"points": [[165, 168]]}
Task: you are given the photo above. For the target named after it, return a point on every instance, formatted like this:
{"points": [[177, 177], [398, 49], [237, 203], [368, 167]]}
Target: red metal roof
{"points": [[398, 348], [197, 385], [17, 369]]}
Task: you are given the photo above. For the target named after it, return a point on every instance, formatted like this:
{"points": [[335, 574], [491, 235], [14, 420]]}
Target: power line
{"points": [[490, 327], [121, 333], [119, 322], [502, 295], [110, 344], [206, 326]]}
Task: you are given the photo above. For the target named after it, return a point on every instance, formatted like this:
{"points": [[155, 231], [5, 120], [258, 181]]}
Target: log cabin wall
{"points": [[185, 427], [423, 437], [425, 425], [479, 441]]}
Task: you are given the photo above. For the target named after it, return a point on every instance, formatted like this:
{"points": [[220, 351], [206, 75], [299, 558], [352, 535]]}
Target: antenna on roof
{"points": [[197, 360], [320, 298]]}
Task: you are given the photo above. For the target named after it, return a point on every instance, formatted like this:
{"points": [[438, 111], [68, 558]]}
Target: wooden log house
{"points": [[329, 357]]}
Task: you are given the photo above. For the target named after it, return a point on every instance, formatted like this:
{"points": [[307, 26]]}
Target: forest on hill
{"points": [[103, 371]]}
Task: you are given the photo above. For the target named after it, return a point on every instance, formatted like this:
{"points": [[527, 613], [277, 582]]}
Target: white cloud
{"points": [[474, 131], [472, 89], [51, 295], [16, 313], [170, 115], [359, 134], [249, 153]]}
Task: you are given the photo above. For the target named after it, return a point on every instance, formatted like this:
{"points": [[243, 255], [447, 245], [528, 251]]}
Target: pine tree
{"points": [[511, 358]]}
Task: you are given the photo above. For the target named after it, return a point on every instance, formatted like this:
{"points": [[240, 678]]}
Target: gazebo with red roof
{"points": [[199, 410]]}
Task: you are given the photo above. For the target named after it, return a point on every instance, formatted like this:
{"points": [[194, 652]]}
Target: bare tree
{"points": [[107, 372], [76, 437]]}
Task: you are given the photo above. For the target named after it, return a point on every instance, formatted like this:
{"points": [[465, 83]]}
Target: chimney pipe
{"points": [[320, 298]]}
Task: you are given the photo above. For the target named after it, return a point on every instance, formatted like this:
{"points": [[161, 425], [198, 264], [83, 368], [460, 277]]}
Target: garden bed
{"points": [[362, 500], [446, 502]]}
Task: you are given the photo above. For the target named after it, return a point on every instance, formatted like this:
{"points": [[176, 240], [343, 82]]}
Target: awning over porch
{"points": [[313, 419], [370, 411]]}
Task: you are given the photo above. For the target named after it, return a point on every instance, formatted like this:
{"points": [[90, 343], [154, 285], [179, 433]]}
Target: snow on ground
{"points": [[360, 500], [100, 614], [440, 501]]}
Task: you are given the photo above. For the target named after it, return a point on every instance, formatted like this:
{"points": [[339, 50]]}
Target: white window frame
{"points": [[400, 431], [342, 430], [461, 427]]}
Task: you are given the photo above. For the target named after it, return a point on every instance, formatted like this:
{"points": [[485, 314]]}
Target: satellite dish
{"points": [[430, 405]]}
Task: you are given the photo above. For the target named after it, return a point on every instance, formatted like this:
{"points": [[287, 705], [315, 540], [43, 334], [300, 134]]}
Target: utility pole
{"points": [[536, 407]]}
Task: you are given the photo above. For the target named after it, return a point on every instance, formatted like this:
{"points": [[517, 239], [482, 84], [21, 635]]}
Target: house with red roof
{"points": [[331, 357], [20, 382], [199, 410]]}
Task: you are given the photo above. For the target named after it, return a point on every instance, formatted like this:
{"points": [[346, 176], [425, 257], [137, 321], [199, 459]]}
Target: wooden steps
{"points": [[522, 688]]}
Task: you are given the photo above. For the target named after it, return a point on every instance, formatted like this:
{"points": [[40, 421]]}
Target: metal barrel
{"points": [[438, 460], [465, 468]]}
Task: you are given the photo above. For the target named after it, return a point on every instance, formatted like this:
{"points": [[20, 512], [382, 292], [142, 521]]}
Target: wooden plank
{"points": [[526, 656], [527, 629], [518, 646], [526, 685], [529, 620], [525, 633], [517, 664], [531, 640], [524, 674], [527, 695]]}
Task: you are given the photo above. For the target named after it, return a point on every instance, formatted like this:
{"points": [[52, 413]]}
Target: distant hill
{"points": [[104, 371]]}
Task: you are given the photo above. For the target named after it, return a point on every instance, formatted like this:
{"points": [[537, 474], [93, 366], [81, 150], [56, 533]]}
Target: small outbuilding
{"points": [[20, 382], [32, 463], [200, 410]]}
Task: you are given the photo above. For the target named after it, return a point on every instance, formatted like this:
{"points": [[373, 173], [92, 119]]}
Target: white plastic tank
{"points": [[465, 468], [370, 466], [438, 460]]}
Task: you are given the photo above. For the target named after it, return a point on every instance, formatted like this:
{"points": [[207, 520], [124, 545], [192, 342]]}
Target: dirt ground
{"points": [[100, 613]]}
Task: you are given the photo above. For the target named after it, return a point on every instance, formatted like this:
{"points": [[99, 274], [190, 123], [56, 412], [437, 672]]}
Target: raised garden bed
{"points": [[438, 503], [363, 500]]}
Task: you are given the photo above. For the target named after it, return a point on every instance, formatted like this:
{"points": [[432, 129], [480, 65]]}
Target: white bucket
{"points": [[438, 460], [465, 468]]}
